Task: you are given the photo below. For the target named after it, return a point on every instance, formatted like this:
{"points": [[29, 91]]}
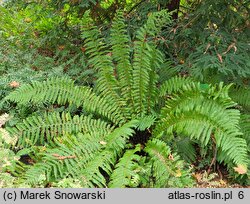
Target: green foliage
{"points": [[74, 146], [38, 130], [164, 172], [126, 170], [245, 126], [210, 42], [185, 148], [126, 129], [242, 96], [204, 115], [13, 26], [68, 183]]}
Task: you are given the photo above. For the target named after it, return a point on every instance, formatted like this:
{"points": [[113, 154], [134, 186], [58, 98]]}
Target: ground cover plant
{"points": [[108, 104]]}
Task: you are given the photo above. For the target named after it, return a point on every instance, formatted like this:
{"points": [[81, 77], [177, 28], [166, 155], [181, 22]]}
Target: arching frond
{"points": [[38, 130], [67, 157], [167, 168], [105, 160], [205, 116], [174, 85], [62, 91], [126, 170], [185, 148]]}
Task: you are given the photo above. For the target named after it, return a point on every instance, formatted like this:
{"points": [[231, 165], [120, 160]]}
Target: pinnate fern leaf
{"points": [[126, 170], [167, 168], [66, 157], [206, 114], [105, 160], [38, 130], [62, 91]]}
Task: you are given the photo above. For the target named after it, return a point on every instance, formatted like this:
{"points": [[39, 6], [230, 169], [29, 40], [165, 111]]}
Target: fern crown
{"points": [[119, 139]]}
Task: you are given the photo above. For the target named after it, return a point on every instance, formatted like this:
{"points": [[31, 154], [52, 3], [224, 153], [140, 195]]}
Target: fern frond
{"points": [[167, 170], [202, 116], [241, 95], [186, 149], [174, 85], [145, 122], [67, 157], [38, 130], [167, 71], [141, 65], [156, 21], [107, 85], [126, 170], [53, 90], [144, 53], [121, 55], [152, 95], [62, 91], [245, 128], [106, 159]]}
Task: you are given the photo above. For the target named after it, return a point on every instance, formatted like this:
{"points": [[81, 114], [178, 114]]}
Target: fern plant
{"points": [[120, 137]]}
